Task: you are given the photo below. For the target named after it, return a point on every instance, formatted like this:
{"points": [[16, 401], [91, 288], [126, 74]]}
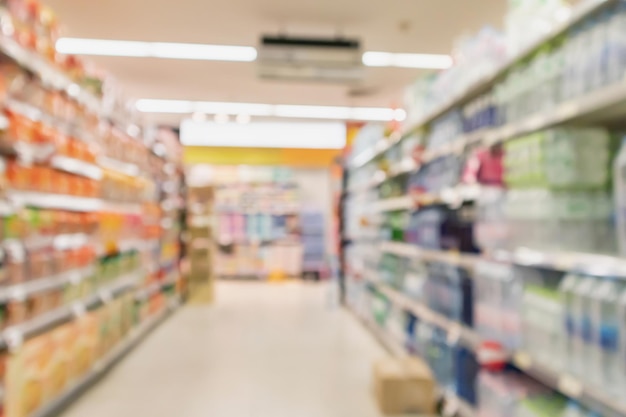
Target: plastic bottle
{"points": [[606, 324], [622, 347], [570, 320], [616, 33], [619, 182], [583, 341]]}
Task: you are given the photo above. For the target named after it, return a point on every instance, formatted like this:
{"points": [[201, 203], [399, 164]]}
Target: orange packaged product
{"points": [[73, 183], [18, 176], [60, 183], [21, 129], [43, 134], [61, 142], [48, 102], [74, 222], [62, 220], [36, 174], [72, 258], [41, 179]]}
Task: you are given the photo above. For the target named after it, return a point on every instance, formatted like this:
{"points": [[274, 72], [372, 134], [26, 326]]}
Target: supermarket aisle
{"points": [[263, 351]]}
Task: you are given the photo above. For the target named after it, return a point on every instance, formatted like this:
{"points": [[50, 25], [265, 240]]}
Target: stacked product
{"points": [[80, 221], [522, 273], [200, 244], [314, 244], [260, 229]]}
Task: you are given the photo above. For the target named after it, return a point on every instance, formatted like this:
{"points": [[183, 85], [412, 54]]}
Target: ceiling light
{"points": [[399, 115], [172, 106], [172, 50], [424, 61], [198, 117], [221, 118], [381, 114], [243, 118], [298, 135], [166, 50]]}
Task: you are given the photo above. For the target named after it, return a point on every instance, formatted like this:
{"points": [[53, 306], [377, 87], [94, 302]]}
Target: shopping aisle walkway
{"points": [[264, 350]]}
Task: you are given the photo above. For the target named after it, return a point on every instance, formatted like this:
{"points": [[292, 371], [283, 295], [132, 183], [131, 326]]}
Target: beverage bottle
{"points": [[619, 183], [606, 321], [616, 33], [622, 343], [581, 315], [570, 320]]}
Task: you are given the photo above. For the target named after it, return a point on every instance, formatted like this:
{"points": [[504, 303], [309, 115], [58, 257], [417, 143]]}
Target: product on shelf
{"points": [[537, 140]]}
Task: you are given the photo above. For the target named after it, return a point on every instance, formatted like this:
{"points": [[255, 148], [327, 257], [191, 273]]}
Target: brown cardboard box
{"points": [[200, 194], [199, 232], [404, 386]]}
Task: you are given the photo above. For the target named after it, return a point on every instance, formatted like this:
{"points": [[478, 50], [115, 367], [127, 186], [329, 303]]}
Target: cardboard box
{"points": [[404, 386], [199, 232]]}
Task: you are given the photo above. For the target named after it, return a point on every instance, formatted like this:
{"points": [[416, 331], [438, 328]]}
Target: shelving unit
{"points": [[258, 233], [568, 385], [100, 369], [373, 240], [89, 215], [455, 406]]}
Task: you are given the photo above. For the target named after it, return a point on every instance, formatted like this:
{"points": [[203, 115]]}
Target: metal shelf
{"points": [[454, 406], [47, 72], [591, 264], [54, 201], [456, 331], [121, 167], [412, 251], [569, 386], [585, 105], [394, 204], [76, 167], [565, 383], [14, 336], [581, 12], [19, 292]]}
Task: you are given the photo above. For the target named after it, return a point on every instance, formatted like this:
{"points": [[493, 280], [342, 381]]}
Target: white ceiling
{"points": [[419, 26]]}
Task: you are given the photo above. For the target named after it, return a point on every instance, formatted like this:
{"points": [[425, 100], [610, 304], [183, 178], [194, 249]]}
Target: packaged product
{"points": [[59, 367], [26, 378], [87, 344]]}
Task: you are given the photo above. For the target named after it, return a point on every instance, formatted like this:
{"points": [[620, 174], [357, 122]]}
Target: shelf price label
{"points": [[105, 297], [79, 310], [14, 339], [18, 294]]}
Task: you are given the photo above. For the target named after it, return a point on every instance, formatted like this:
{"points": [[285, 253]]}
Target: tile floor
{"points": [[263, 350]]}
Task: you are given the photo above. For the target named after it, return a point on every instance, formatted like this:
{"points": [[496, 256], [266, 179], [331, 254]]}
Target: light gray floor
{"points": [[264, 350]]}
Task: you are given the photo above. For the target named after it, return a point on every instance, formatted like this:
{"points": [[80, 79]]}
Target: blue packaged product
{"points": [[466, 371]]}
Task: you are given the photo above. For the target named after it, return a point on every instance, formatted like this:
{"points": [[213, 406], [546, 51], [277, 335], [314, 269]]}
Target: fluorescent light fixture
{"points": [[243, 118], [424, 61], [193, 51], [381, 114], [165, 50], [295, 135]]}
